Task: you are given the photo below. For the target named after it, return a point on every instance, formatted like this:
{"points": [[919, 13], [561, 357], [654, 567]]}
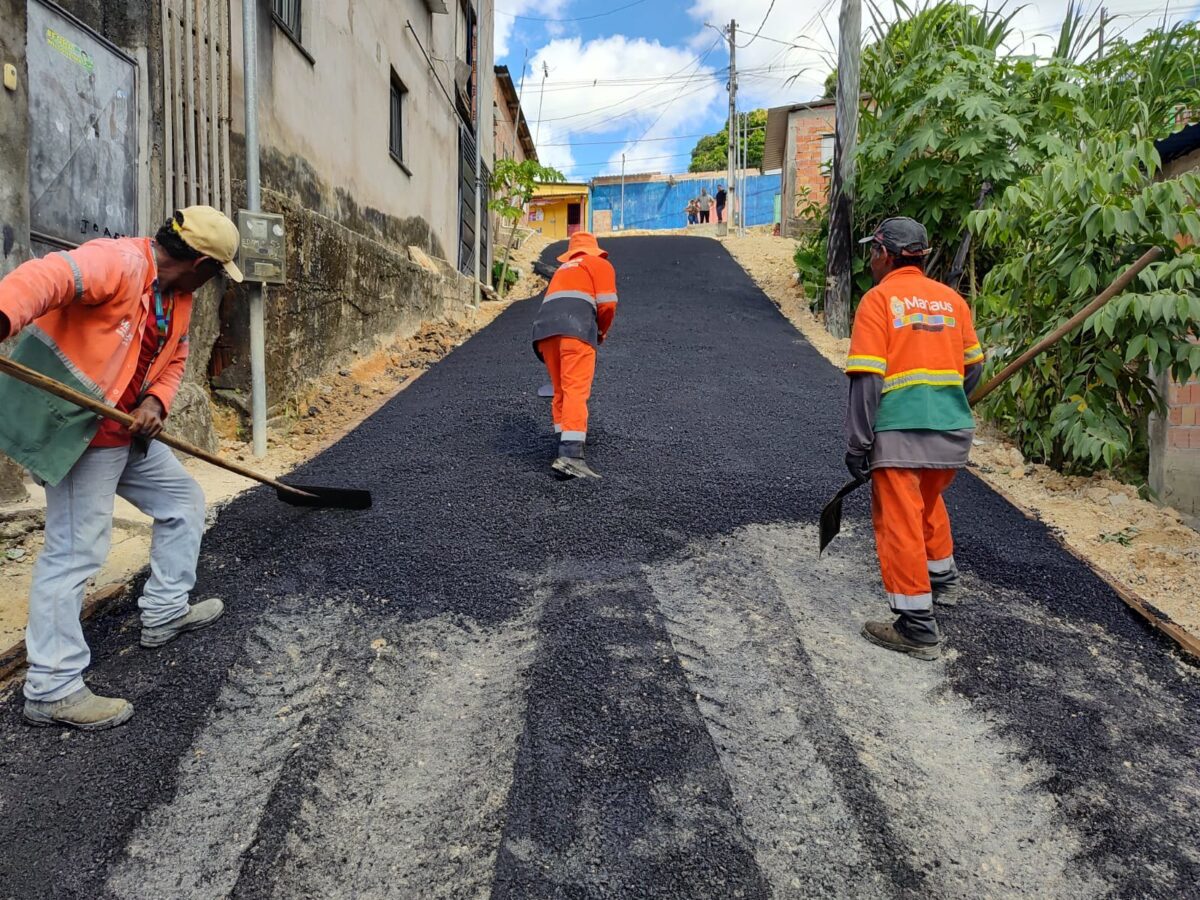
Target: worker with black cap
{"points": [[914, 358]]}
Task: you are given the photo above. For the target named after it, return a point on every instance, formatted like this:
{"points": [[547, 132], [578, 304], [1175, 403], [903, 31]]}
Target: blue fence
{"points": [[658, 204]]}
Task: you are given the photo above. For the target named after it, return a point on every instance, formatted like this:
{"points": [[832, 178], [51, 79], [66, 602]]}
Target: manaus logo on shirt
{"points": [[921, 314]]}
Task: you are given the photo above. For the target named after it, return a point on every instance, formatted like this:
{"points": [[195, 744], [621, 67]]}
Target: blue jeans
{"points": [[79, 511]]}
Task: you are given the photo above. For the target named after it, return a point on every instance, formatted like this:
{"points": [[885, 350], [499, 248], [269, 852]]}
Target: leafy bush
{"points": [[1066, 142], [1067, 232], [500, 270]]}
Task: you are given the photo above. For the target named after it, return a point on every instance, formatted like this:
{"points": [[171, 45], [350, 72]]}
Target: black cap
{"points": [[901, 236]]}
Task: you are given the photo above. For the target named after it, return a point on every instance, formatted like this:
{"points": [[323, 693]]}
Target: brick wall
{"points": [[807, 128], [1183, 416], [809, 134]]}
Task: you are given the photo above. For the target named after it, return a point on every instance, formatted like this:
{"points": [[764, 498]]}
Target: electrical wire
{"points": [[598, 15], [761, 25]]}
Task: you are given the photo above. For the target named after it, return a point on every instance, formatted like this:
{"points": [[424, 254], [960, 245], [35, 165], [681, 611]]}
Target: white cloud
{"points": [[622, 85], [505, 23]]}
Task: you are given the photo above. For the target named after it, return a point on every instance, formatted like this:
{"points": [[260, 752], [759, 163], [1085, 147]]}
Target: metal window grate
{"points": [[288, 12], [396, 121]]}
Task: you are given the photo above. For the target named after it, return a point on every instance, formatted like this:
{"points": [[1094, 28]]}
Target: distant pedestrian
{"points": [[693, 211], [914, 359], [721, 197], [705, 203], [109, 319], [572, 322]]}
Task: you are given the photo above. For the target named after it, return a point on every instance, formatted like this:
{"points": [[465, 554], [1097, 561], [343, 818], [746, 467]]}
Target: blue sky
{"points": [[644, 80]]}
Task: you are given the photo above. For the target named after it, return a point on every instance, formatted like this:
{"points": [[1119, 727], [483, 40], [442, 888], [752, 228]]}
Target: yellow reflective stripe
{"points": [[973, 354], [876, 364], [934, 377]]}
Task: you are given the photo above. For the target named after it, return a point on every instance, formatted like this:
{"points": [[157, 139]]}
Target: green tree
{"points": [[711, 153], [513, 184]]}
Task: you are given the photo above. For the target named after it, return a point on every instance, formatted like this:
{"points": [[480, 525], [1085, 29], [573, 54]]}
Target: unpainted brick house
{"points": [[800, 142]]}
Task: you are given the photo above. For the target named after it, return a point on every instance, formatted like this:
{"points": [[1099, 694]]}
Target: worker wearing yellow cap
{"points": [[109, 319]]}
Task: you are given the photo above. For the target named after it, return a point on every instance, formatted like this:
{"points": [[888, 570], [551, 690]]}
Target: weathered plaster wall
{"points": [[330, 115], [346, 291]]}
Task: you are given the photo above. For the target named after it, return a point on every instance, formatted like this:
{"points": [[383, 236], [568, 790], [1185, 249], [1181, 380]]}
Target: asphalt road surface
{"points": [[497, 684]]}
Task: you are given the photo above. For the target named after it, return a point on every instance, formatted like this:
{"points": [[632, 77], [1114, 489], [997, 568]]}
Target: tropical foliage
{"points": [[513, 184], [711, 153], [1066, 144]]}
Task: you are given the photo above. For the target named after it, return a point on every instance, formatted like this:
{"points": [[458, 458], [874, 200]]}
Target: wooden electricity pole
{"points": [[839, 266]]}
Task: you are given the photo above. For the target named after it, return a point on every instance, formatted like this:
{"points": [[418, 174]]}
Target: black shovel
{"points": [[831, 515], [299, 495]]}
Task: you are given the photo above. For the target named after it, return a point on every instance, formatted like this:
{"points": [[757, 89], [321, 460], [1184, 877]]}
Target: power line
{"points": [[598, 15], [761, 25], [677, 137]]}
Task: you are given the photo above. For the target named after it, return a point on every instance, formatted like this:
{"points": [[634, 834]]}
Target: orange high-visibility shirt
{"points": [[918, 335], [580, 301]]}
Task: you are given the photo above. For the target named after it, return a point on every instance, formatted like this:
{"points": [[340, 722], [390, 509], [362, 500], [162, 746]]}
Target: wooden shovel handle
{"points": [[58, 389], [1119, 284]]}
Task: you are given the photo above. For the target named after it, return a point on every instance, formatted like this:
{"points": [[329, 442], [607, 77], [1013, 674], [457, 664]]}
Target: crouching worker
{"points": [[913, 361], [109, 319], [573, 320]]}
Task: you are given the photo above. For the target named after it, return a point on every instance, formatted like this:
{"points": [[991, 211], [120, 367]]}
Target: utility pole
{"points": [[258, 341], [731, 152], [839, 265], [541, 99], [1103, 22], [478, 124], [622, 192]]}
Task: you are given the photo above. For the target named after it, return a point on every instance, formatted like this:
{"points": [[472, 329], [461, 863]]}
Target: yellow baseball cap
{"points": [[211, 232]]}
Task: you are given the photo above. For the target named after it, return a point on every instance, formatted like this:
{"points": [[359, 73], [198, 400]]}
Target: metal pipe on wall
{"points": [[168, 113], [478, 140], [258, 345]]}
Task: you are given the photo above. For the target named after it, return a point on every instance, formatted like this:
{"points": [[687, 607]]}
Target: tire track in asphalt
{"points": [[410, 795], [948, 799], [272, 705]]}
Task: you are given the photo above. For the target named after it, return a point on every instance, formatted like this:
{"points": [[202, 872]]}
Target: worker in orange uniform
{"points": [[572, 322], [914, 359]]}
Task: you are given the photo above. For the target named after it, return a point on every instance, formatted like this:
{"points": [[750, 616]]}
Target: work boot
{"points": [[572, 467], [198, 616], [946, 589], [82, 710], [887, 635]]}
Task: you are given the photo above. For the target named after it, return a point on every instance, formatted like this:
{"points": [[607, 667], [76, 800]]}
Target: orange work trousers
{"points": [[912, 532], [572, 366]]}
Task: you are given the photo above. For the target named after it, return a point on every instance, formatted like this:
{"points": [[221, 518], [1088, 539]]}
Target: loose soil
{"points": [[1148, 549]]}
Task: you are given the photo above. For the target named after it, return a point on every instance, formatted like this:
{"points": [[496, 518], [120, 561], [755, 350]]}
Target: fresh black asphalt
{"points": [[710, 413]]}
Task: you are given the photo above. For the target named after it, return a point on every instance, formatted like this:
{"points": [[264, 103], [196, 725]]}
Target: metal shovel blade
{"points": [[831, 515], [325, 497]]}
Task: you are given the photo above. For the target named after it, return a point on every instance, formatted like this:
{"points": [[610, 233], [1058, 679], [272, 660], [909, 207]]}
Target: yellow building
{"points": [[558, 210]]}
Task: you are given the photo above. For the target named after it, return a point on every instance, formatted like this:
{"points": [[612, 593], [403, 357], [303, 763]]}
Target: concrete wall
{"points": [[656, 203], [803, 168], [507, 145], [323, 113]]}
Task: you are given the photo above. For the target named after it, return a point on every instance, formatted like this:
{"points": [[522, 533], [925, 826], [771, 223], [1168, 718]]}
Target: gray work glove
{"points": [[857, 465]]}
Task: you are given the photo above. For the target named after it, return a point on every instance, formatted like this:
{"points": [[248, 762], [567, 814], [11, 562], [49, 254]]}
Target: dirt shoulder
{"points": [[331, 407], [1144, 549]]}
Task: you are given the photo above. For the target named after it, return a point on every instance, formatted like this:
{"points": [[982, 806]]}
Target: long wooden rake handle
{"points": [[38, 380], [1119, 284]]}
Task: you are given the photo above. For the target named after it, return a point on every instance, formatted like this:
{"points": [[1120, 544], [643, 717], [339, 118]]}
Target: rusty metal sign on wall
{"points": [[83, 148]]}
